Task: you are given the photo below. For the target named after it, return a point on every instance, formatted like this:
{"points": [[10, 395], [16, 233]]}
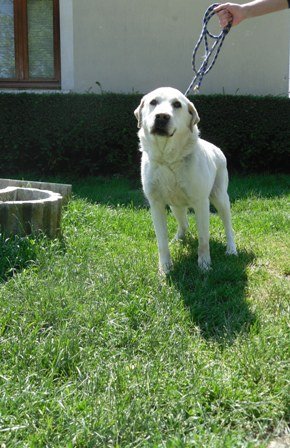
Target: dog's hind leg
{"points": [[221, 202], [201, 210], [180, 214]]}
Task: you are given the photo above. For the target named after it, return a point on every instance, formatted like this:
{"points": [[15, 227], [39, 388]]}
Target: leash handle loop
{"points": [[216, 47]]}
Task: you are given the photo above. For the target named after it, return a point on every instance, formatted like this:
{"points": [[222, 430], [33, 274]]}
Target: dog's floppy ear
{"points": [[138, 113], [194, 115]]}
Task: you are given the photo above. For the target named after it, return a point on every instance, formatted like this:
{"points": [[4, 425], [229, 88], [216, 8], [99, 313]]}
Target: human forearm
{"points": [[261, 7], [236, 13]]}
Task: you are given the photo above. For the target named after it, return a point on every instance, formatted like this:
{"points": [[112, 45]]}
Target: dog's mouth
{"points": [[162, 132]]}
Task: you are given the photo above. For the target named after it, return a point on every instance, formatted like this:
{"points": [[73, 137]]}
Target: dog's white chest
{"points": [[166, 184]]}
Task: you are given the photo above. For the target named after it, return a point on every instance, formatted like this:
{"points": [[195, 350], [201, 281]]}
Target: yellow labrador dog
{"points": [[180, 170]]}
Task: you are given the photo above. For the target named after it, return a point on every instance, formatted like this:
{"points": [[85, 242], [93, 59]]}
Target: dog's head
{"points": [[166, 112]]}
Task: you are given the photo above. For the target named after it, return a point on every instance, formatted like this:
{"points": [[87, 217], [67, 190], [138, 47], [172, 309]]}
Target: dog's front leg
{"points": [[202, 221], [158, 212]]}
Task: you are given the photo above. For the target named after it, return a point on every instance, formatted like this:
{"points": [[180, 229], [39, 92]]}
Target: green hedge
{"points": [[88, 134]]}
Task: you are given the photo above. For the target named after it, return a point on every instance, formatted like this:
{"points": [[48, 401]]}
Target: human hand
{"points": [[230, 12]]}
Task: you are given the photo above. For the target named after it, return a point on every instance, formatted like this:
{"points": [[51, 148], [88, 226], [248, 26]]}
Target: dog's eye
{"points": [[153, 103], [176, 104]]}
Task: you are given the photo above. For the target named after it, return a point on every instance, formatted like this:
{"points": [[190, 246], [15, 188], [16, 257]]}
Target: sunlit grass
{"points": [[97, 350]]}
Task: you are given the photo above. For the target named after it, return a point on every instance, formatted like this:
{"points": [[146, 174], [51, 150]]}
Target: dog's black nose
{"points": [[162, 118], [161, 124]]}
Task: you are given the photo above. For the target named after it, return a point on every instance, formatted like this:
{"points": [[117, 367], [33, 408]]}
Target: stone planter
{"points": [[27, 210], [63, 189]]}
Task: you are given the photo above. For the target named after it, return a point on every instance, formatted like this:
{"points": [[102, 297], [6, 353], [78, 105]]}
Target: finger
{"points": [[224, 18], [219, 8]]}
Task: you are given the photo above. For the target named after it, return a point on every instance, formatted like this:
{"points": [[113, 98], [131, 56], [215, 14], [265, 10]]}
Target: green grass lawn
{"points": [[98, 350]]}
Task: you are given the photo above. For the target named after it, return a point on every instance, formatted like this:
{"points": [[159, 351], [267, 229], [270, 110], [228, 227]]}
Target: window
{"points": [[29, 43]]}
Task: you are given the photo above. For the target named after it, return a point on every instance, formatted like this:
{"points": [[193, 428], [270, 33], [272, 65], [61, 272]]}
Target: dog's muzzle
{"points": [[160, 126]]}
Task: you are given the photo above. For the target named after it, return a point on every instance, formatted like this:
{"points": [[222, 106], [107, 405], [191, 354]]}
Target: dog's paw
{"points": [[231, 249], [165, 268], [204, 263], [181, 234], [178, 239]]}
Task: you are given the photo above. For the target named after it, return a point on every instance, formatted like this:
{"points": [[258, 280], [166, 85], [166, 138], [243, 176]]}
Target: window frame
{"points": [[21, 79]]}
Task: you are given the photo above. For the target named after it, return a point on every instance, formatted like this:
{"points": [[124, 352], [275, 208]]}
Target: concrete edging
{"points": [[27, 207]]}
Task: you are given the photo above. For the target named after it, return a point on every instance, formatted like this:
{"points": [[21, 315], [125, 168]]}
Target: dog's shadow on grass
{"points": [[216, 299]]}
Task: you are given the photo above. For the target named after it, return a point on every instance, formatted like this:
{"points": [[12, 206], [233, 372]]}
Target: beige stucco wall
{"points": [[137, 45]]}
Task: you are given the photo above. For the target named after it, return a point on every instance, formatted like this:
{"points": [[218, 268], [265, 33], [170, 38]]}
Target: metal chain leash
{"points": [[214, 50]]}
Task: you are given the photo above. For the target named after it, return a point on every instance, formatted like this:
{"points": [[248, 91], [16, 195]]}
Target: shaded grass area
{"points": [[98, 350], [16, 254]]}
